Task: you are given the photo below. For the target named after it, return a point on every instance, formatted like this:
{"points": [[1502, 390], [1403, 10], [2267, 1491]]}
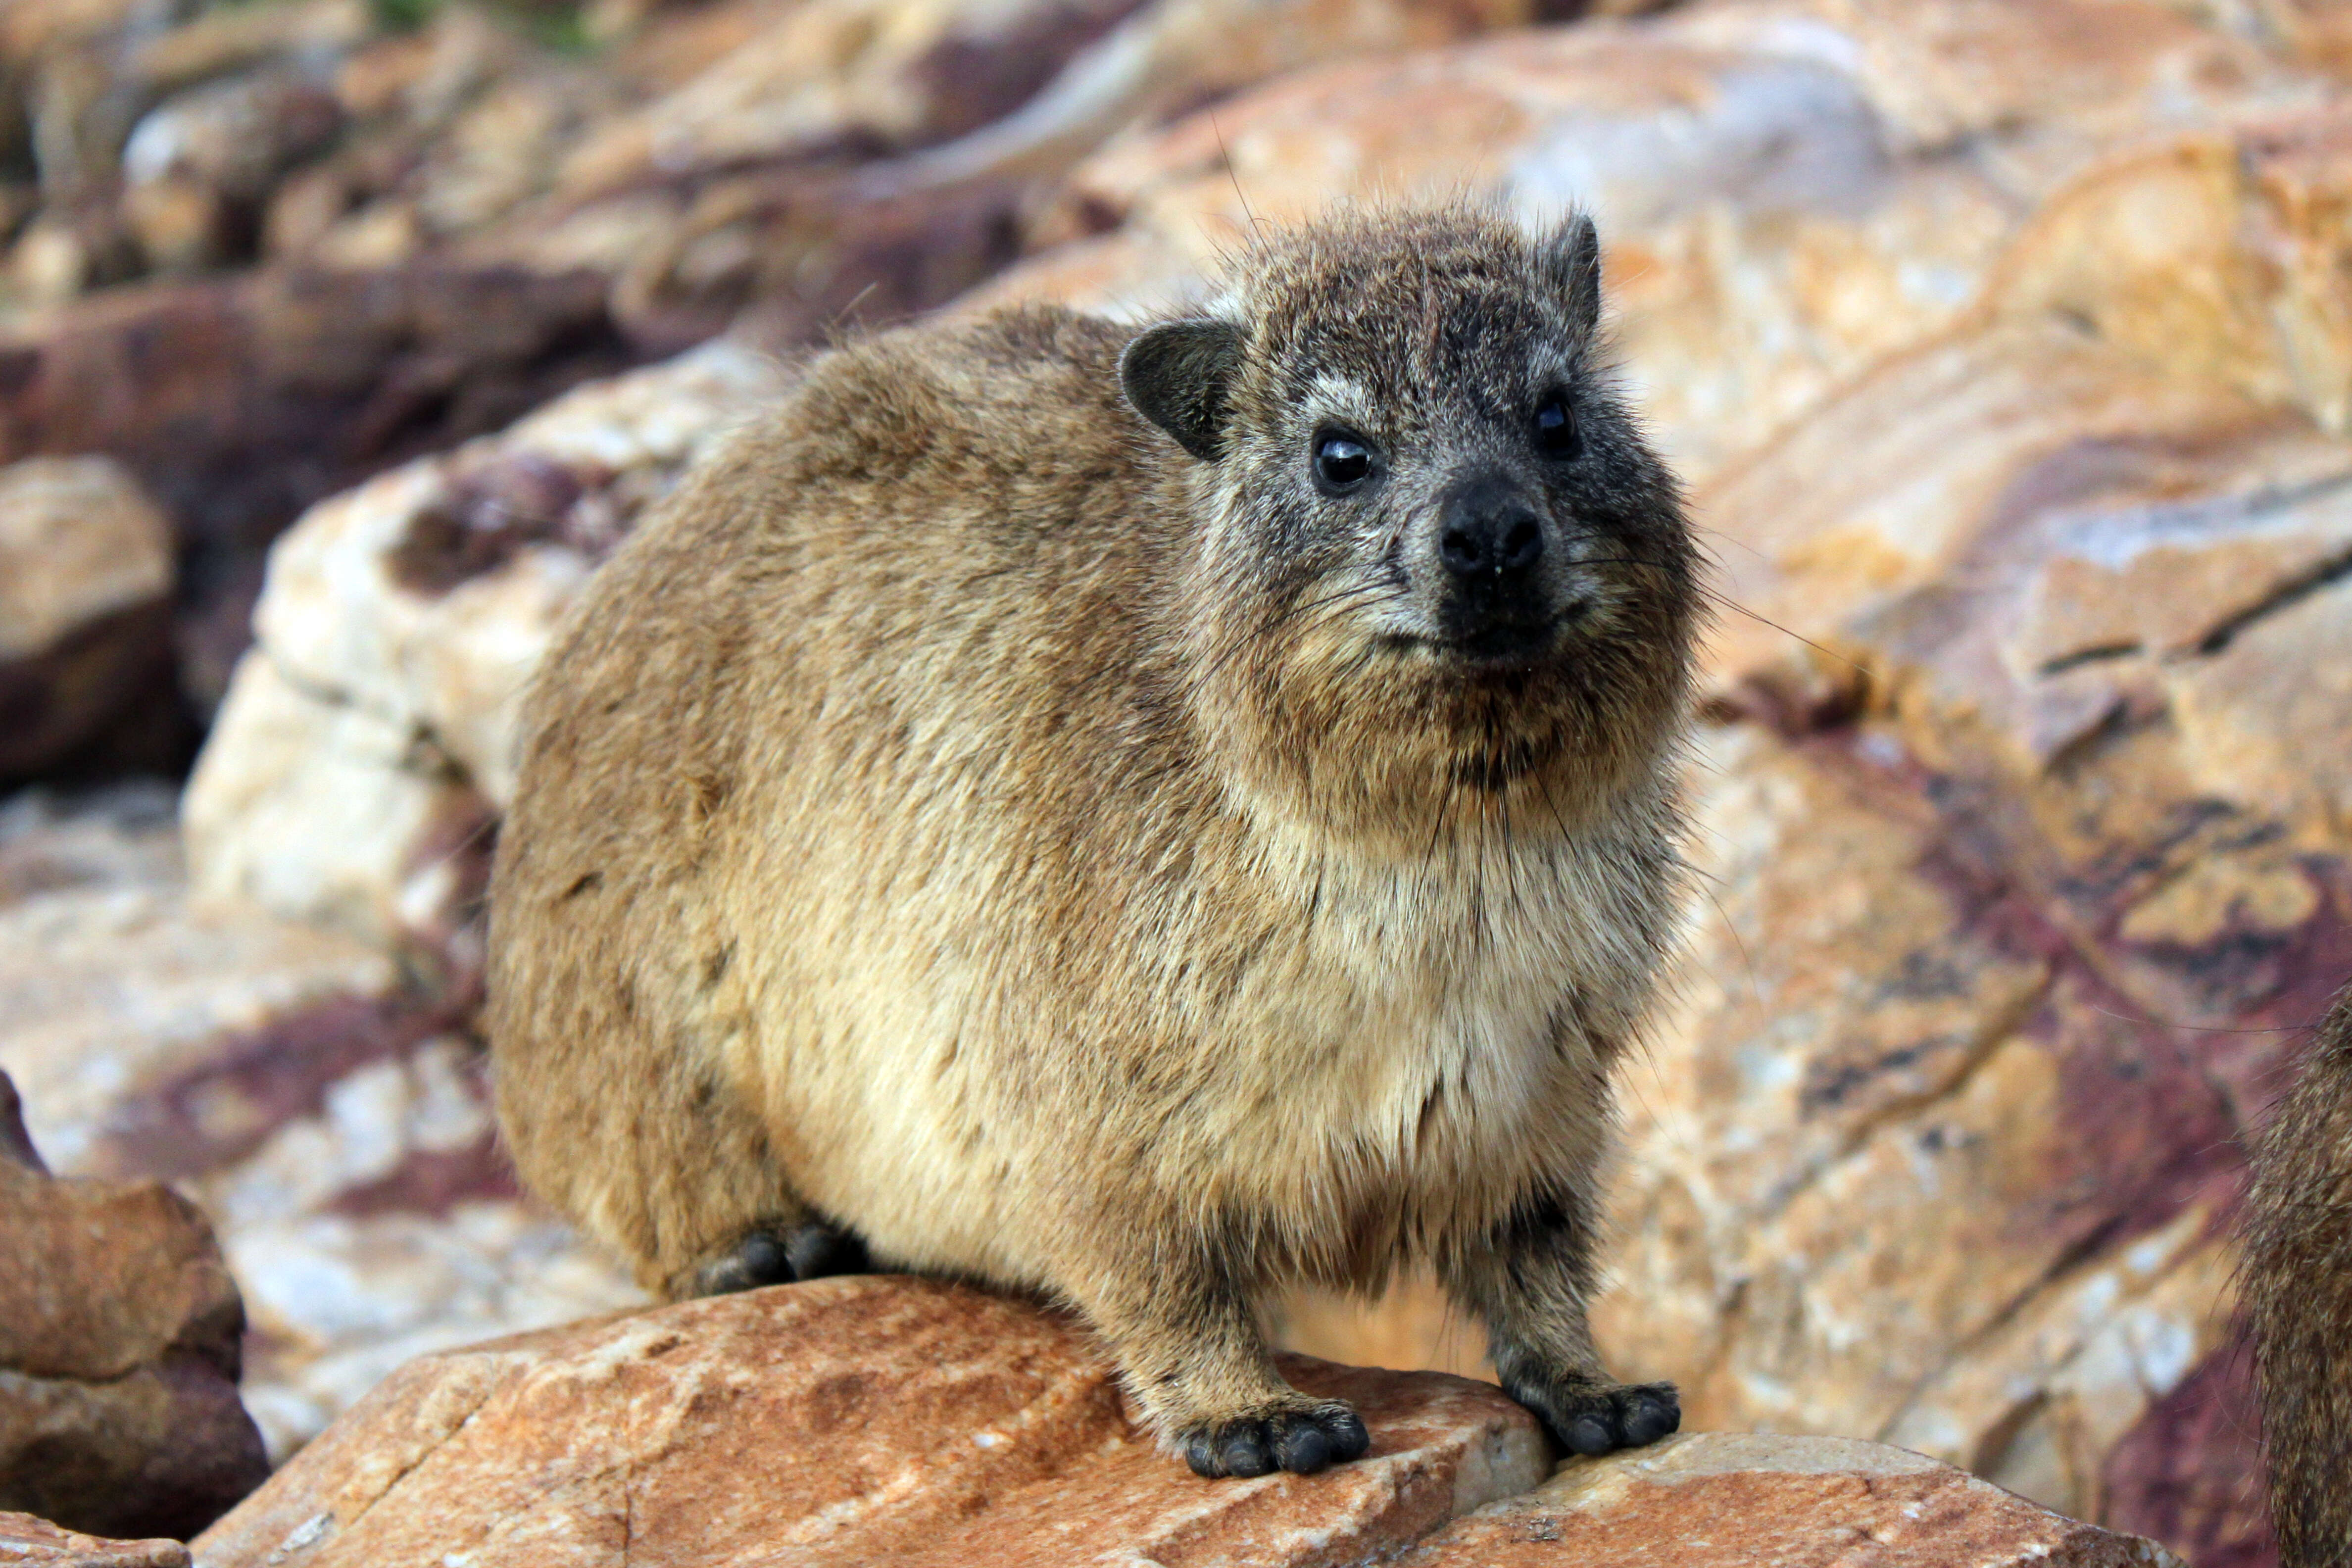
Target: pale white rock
{"points": [[312, 810], [121, 834], [108, 992], [80, 540], [373, 1118], [2037, 1405]]}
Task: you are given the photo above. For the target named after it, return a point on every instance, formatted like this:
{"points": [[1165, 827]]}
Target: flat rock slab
{"points": [[36, 1543], [859, 1420], [1763, 1500]]}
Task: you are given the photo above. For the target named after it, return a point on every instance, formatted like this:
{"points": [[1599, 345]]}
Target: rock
{"points": [[373, 831], [1168, 57], [38, 1544], [327, 1109], [238, 401], [871, 1419], [2207, 254], [1698, 1500], [852, 1420], [1904, 1163], [152, 1039], [2025, 867], [841, 76], [224, 40], [221, 149], [86, 578], [123, 835], [119, 1357]]}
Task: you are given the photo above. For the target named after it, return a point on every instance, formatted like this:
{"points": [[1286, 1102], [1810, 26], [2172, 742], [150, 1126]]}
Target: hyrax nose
{"points": [[1488, 533]]}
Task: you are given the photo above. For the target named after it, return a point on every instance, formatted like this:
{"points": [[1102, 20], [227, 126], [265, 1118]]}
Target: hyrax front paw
{"points": [[1301, 1439], [780, 1256], [1600, 1417]]}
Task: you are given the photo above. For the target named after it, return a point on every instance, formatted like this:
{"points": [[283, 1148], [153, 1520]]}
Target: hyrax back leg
{"points": [[1189, 1347], [665, 1166], [1530, 1282]]}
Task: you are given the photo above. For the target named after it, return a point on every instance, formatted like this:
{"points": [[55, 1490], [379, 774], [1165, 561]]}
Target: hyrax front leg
{"points": [[1190, 1353], [1530, 1281]]}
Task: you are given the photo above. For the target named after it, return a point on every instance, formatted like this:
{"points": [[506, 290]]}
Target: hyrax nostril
{"points": [[1522, 546], [1464, 553], [1491, 546]]}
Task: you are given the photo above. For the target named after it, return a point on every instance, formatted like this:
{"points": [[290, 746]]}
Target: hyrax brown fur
{"points": [[2299, 1280], [1144, 819]]}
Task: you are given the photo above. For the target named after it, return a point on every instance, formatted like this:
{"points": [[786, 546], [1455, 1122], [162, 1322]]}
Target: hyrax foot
{"points": [[1600, 1417], [780, 1256], [1300, 1439]]}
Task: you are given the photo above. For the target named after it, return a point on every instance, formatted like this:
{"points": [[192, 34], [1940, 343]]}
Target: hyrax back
{"points": [[2299, 1287], [1145, 818]]}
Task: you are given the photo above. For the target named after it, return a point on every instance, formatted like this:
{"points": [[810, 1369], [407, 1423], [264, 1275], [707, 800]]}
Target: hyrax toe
{"points": [[1301, 1440], [781, 1255], [1602, 1417]]}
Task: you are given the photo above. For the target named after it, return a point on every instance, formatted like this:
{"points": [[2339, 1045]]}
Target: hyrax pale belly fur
{"points": [[1142, 818]]}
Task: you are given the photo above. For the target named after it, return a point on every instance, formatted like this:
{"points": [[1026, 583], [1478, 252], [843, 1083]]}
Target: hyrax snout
{"points": [[1146, 818]]}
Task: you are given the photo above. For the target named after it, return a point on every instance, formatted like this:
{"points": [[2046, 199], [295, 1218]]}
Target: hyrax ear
{"points": [[1572, 260], [1177, 375]]}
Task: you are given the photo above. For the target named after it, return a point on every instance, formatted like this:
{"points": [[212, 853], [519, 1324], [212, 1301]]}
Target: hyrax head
{"points": [[1440, 572]]}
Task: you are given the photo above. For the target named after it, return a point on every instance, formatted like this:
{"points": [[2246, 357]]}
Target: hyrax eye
{"points": [[1343, 462], [1555, 435]]}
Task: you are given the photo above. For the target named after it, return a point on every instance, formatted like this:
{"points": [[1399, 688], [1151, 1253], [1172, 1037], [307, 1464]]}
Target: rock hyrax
{"points": [[1141, 819], [2299, 1287]]}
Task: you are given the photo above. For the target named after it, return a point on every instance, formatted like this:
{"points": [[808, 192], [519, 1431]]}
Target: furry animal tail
{"points": [[2299, 1267]]}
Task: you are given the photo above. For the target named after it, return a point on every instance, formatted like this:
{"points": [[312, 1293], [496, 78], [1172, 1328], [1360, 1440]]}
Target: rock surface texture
{"points": [[119, 1342], [1764, 1501], [36, 1543], [893, 1421]]}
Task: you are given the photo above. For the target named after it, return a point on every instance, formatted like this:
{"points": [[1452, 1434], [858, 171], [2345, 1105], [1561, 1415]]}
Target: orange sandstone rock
{"points": [[856, 1420], [36, 1543]]}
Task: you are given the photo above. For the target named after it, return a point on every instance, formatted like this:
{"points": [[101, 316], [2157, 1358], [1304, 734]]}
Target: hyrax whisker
{"points": [[1045, 823]]}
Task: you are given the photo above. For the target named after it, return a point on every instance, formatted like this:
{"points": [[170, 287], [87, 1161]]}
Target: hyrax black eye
{"points": [[1555, 435], [1343, 462]]}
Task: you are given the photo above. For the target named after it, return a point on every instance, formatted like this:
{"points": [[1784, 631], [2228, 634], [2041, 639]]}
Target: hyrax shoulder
{"points": [[1148, 817]]}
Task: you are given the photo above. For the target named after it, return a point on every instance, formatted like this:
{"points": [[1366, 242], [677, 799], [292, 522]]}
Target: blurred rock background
{"points": [[2006, 344]]}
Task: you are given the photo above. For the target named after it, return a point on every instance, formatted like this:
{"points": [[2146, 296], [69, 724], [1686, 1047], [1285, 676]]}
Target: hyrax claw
{"points": [[1601, 1418], [1302, 1442]]}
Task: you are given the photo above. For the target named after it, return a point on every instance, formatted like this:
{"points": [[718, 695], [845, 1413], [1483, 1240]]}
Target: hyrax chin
{"points": [[1146, 819]]}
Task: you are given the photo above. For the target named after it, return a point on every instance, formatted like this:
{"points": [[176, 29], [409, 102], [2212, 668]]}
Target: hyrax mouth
{"points": [[1486, 639]]}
